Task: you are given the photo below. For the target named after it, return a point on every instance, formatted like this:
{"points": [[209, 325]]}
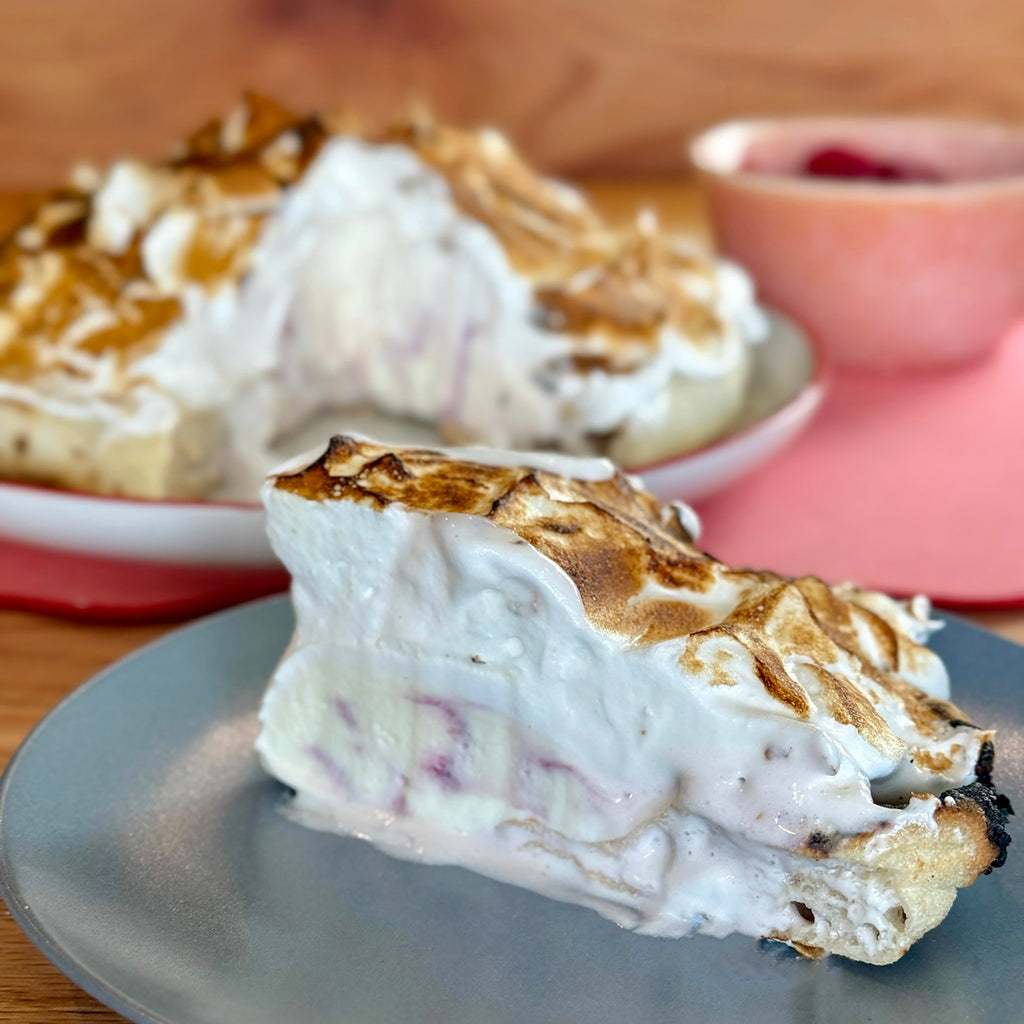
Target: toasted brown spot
{"points": [[388, 466], [778, 683], [718, 669], [819, 845], [316, 484], [767, 665], [884, 635], [848, 705], [930, 716], [553, 526], [220, 250], [262, 120], [145, 319], [934, 761], [803, 948]]}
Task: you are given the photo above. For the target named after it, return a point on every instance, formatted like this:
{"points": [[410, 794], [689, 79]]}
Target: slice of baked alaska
{"points": [[162, 325], [521, 664]]}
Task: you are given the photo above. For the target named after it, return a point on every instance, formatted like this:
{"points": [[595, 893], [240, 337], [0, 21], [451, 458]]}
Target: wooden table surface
{"points": [[43, 659]]}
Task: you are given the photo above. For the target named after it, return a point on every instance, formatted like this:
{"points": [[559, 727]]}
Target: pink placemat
{"points": [[911, 483], [108, 589]]}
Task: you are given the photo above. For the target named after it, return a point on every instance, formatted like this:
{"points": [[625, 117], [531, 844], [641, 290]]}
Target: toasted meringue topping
{"points": [[614, 288], [621, 285], [639, 576], [135, 239]]}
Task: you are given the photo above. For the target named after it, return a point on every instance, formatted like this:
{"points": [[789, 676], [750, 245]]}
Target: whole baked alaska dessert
{"points": [[163, 325], [522, 665]]}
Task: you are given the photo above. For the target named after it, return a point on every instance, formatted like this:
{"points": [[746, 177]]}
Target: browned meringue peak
{"points": [[250, 135], [66, 292], [70, 302], [544, 226], [615, 307], [640, 577], [618, 285]]}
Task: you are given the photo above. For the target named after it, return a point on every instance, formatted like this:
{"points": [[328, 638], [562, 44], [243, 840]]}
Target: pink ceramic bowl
{"points": [[887, 273]]}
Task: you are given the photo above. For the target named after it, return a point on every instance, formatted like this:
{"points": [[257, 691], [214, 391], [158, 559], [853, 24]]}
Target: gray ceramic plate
{"points": [[143, 851]]}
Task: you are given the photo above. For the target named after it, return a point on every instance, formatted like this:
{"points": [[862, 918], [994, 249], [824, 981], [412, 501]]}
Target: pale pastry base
{"points": [[85, 454], [698, 412], [917, 876], [922, 864]]}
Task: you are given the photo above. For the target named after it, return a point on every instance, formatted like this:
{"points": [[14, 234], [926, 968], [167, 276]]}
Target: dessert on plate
{"points": [[523, 665], [163, 325]]}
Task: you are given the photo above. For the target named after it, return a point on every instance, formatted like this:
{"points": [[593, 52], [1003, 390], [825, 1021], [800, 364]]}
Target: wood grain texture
{"points": [[596, 84], [42, 660]]}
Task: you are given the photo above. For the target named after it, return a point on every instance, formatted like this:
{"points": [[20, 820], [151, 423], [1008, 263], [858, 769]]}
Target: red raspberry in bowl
{"points": [[840, 162]]}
